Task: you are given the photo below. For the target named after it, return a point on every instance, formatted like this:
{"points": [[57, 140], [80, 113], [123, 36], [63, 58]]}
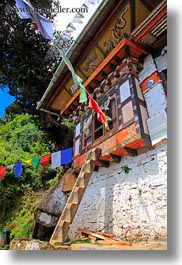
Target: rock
{"points": [[48, 212], [54, 201], [30, 244]]}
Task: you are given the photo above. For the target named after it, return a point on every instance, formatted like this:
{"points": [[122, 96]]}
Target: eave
{"points": [[117, 52], [153, 30], [91, 29]]}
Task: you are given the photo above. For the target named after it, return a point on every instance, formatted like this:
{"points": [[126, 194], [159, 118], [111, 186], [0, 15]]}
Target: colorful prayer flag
{"points": [[18, 169], [26, 10], [66, 156], [77, 80], [83, 95], [2, 172], [22, 9], [44, 161], [35, 162], [11, 166], [56, 159], [28, 162], [94, 105]]}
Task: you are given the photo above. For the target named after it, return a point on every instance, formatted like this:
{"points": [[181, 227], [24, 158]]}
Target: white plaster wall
{"points": [[130, 205]]}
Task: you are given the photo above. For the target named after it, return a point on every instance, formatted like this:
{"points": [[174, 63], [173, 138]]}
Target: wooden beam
{"points": [[104, 163], [96, 168], [130, 151], [147, 24], [116, 158]]}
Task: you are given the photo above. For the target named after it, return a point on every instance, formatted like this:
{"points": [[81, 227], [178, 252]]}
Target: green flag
{"points": [[83, 95], [35, 162], [77, 80]]}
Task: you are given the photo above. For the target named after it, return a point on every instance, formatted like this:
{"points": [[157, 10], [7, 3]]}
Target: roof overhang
{"points": [[82, 41], [153, 30], [117, 53], [151, 33]]}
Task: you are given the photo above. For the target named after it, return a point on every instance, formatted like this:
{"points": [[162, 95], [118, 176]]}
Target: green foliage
{"points": [[126, 169], [25, 67], [21, 139], [67, 123], [6, 247]]}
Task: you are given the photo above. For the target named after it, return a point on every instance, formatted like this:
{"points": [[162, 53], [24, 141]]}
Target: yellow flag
{"points": [[28, 162]]}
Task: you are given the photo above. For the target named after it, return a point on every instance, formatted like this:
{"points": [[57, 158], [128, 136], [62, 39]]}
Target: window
{"points": [[125, 91], [109, 109], [126, 102], [87, 131], [77, 140], [93, 129], [98, 128]]}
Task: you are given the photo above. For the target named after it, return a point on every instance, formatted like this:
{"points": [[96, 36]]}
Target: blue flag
{"points": [[18, 169], [25, 10], [66, 156]]}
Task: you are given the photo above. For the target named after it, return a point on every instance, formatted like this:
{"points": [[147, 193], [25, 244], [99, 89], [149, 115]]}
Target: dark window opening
{"points": [[163, 76], [99, 130], [111, 114]]}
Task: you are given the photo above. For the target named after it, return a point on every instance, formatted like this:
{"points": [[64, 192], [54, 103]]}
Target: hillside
{"points": [[21, 140]]}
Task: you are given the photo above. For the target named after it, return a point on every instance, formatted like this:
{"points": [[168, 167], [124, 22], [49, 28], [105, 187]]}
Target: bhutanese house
{"points": [[121, 56]]}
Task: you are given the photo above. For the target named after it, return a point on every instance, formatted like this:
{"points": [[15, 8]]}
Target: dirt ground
{"points": [[152, 245]]}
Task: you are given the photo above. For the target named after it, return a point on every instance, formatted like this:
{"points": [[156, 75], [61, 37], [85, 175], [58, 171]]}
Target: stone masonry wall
{"points": [[132, 205]]}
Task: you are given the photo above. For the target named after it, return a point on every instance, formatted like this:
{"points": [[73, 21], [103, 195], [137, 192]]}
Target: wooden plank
{"points": [[130, 151], [92, 238], [62, 228], [104, 163], [88, 232], [116, 158], [114, 242], [100, 235], [106, 234]]}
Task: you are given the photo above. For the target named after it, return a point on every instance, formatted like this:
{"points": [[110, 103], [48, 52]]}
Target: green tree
{"points": [[25, 67], [20, 140]]}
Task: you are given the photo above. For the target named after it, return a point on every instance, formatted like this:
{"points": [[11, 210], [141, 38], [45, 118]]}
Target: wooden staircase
{"points": [[62, 228]]}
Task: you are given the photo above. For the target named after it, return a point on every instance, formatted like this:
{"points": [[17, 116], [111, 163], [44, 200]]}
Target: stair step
{"points": [[62, 228], [88, 166]]}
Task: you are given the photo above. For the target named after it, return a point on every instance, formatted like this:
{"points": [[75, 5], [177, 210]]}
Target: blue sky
{"points": [[5, 100]]}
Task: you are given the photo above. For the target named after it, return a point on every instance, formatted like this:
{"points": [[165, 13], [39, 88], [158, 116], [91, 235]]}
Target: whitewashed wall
{"points": [[130, 205]]}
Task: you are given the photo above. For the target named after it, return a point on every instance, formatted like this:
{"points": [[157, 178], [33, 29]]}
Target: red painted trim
{"points": [[152, 24], [86, 49]]}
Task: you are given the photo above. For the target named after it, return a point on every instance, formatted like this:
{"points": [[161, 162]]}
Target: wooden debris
{"points": [[114, 242], [87, 232], [103, 238], [105, 234], [92, 238], [63, 247]]}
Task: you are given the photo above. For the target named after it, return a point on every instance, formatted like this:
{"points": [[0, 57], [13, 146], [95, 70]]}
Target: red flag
{"points": [[2, 172], [94, 105], [44, 161], [101, 116], [36, 28]]}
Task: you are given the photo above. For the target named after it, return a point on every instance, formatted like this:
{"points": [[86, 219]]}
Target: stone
{"points": [[29, 244], [48, 212]]}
